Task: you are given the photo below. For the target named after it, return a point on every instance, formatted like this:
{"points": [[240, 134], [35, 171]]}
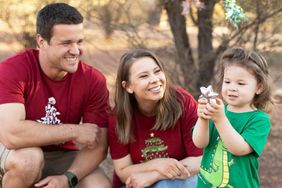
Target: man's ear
{"points": [[259, 88], [126, 87], [40, 41]]}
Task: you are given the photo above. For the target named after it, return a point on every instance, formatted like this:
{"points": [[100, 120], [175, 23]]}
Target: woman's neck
{"points": [[148, 108]]}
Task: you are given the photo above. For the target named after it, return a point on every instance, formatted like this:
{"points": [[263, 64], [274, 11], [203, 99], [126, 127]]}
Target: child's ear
{"points": [[259, 89], [126, 87]]}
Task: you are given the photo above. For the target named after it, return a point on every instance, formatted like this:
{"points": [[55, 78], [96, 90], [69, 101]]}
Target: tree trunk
{"points": [[206, 55], [154, 13], [184, 52]]}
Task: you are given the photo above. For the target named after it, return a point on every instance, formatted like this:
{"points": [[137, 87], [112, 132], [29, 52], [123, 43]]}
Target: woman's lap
{"points": [[189, 183]]}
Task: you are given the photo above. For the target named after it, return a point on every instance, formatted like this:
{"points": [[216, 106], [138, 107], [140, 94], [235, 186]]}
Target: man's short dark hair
{"points": [[56, 13]]}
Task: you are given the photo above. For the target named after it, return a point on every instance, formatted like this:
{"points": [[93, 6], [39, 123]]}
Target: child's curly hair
{"points": [[256, 64]]}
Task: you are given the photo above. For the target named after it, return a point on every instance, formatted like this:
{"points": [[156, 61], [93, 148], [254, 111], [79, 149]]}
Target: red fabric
{"points": [[82, 95], [174, 143]]}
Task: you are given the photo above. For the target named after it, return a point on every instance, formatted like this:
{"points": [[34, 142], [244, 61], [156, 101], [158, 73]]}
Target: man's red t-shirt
{"points": [[81, 96]]}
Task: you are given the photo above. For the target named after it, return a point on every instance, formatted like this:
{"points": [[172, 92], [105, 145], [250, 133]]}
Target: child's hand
{"points": [[215, 110], [202, 103]]}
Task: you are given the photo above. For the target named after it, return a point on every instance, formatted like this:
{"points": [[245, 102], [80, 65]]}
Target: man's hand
{"points": [[88, 135], [60, 181]]}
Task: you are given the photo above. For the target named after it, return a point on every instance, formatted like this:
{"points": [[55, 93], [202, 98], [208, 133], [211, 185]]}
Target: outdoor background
{"points": [[189, 45]]}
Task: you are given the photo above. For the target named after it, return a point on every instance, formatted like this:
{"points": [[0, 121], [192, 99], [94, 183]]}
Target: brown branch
{"points": [[257, 27], [192, 17], [224, 44]]}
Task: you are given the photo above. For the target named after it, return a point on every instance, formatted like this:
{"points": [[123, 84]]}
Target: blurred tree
{"points": [[154, 12], [20, 17], [199, 71], [104, 13]]}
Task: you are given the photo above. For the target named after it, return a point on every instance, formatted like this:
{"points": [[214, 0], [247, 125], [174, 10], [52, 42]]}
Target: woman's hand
{"points": [[171, 168], [142, 179]]}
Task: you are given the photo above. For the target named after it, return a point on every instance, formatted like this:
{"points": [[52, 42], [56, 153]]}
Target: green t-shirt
{"points": [[220, 168]]}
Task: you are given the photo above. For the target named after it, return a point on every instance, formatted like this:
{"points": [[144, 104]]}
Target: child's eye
{"points": [[226, 82], [241, 83]]}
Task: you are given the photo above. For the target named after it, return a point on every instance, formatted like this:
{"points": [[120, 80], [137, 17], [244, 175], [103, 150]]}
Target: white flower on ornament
{"points": [[208, 93]]}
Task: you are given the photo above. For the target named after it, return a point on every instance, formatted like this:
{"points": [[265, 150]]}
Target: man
{"points": [[44, 95]]}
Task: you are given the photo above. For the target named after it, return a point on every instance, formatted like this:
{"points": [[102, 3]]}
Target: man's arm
{"points": [[84, 163], [89, 159], [16, 132]]}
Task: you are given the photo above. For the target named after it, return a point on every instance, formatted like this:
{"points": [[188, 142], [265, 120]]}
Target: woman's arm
{"points": [[192, 164], [167, 168], [143, 179]]}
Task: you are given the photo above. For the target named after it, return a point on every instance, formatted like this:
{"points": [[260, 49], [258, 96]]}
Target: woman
{"points": [[150, 135]]}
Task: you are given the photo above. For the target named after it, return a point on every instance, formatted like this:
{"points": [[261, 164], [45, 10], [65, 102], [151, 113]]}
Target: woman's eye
{"points": [[158, 70], [142, 76]]}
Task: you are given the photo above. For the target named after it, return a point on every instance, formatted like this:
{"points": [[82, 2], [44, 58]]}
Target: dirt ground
{"points": [[271, 160]]}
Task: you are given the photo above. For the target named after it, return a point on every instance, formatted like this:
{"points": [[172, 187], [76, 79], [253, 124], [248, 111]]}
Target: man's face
{"points": [[62, 54]]}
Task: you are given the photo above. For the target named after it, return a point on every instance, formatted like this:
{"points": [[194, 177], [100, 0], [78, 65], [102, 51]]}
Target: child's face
{"points": [[239, 88]]}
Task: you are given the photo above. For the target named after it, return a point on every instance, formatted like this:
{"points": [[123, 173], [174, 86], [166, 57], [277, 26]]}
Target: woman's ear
{"points": [[259, 89], [126, 87]]}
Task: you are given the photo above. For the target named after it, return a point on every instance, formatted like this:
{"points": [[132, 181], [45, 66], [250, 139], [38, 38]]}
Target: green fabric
{"points": [[219, 168]]}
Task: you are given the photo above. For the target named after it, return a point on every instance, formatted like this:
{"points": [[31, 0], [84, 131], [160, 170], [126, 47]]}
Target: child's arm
{"points": [[201, 130], [233, 141]]}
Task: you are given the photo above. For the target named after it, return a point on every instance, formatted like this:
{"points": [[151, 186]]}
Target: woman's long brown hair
{"points": [[168, 110]]}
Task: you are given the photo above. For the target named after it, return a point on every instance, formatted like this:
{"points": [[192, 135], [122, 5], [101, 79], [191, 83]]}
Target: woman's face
{"points": [[146, 80]]}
